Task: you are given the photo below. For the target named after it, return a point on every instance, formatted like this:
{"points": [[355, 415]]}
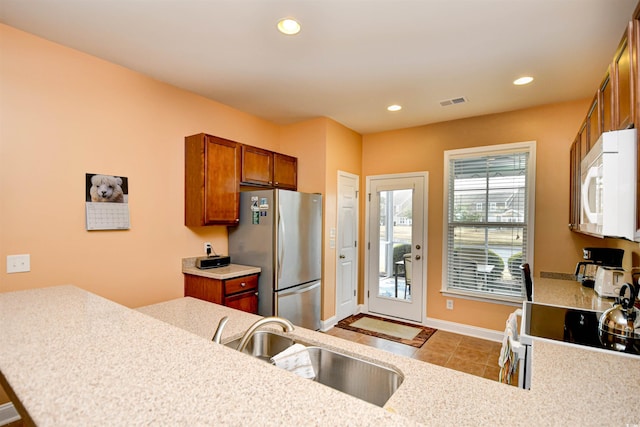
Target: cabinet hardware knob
{"points": [[418, 257], [243, 284], [417, 246], [342, 257]]}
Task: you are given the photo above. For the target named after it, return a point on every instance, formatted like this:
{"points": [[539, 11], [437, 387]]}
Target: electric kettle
{"points": [[619, 326]]}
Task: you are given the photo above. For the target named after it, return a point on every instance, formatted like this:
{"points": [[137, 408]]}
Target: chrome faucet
{"points": [[286, 326], [218, 334]]}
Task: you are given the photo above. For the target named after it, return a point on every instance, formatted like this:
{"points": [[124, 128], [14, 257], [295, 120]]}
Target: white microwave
{"points": [[608, 186]]}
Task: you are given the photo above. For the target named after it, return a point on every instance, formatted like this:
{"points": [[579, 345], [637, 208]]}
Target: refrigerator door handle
{"points": [[298, 289], [281, 238]]}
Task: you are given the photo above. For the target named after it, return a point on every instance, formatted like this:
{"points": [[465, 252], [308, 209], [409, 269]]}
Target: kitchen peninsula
{"points": [[70, 357]]}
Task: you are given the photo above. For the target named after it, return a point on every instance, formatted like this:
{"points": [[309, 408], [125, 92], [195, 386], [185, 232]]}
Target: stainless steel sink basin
{"points": [[359, 378], [263, 345]]}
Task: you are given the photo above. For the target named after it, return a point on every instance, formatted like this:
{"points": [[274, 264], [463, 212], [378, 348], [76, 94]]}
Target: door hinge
{"points": [[354, 292], [355, 244], [369, 245], [369, 196], [357, 192], [367, 294]]}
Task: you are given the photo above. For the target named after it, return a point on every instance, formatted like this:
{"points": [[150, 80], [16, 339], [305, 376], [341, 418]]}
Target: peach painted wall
{"points": [[422, 149], [344, 153], [328, 147], [65, 113]]}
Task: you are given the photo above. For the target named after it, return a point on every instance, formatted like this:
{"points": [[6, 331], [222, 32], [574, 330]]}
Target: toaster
{"points": [[608, 282]]}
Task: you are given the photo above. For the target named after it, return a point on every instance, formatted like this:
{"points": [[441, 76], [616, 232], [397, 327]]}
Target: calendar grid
{"points": [[107, 216]]}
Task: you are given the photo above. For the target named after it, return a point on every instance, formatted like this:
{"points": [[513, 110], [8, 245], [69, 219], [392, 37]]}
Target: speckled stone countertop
{"points": [[569, 384], [73, 358], [220, 273], [568, 293]]}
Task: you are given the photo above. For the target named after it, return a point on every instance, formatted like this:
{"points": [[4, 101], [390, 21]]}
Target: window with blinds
{"points": [[488, 224]]}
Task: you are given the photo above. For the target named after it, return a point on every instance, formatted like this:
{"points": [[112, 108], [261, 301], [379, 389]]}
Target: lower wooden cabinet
{"points": [[240, 292]]}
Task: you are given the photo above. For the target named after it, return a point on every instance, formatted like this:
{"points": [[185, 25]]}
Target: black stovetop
{"points": [[572, 325]]}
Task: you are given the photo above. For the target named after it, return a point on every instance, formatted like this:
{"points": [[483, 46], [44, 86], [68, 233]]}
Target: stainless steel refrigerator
{"points": [[280, 231]]}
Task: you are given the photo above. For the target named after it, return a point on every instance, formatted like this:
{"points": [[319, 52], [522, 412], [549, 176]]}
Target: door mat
{"points": [[392, 330]]}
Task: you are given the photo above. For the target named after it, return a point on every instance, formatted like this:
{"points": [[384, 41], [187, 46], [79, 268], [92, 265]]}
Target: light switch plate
{"points": [[18, 263]]}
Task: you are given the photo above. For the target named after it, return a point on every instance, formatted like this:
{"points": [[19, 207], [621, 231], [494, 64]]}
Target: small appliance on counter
{"points": [[596, 257], [608, 282], [212, 261]]}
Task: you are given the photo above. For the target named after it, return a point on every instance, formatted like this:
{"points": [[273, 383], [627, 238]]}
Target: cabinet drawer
{"points": [[240, 284]]}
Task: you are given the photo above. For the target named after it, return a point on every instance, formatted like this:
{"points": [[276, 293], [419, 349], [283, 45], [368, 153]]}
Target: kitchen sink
{"points": [[264, 345], [359, 378]]}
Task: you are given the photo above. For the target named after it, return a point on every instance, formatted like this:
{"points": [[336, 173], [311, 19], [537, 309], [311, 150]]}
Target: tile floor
{"points": [[474, 356]]}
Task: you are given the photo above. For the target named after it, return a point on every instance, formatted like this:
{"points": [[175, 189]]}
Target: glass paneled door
{"points": [[396, 268]]}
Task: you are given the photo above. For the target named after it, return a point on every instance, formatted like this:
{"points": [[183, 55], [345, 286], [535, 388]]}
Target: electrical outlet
{"points": [[449, 304], [18, 263], [207, 247]]}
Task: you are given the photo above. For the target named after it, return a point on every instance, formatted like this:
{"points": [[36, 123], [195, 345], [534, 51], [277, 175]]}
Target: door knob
{"points": [[342, 257], [418, 257]]}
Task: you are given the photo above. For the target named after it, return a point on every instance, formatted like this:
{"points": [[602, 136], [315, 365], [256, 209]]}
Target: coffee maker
{"points": [[595, 257]]}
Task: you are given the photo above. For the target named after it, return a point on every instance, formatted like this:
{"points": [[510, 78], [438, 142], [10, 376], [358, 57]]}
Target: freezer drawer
{"points": [[300, 305]]}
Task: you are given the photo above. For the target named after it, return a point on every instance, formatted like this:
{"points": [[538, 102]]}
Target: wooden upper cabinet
{"points": [[624, 77], [606, 103], [268, 169], [583, 141], [594, 127], [212, 181], [574, 185], [285, 171], [257, 166]]}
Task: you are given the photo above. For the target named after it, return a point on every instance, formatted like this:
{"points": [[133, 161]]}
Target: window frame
{"points": [[485, 151]]}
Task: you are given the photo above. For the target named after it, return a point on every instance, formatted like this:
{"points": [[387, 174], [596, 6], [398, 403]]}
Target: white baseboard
{"points": [[459, 328], [325, 325], [8, 413]]}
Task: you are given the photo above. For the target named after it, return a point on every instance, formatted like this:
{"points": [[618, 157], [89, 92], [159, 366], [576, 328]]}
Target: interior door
{"points": [[347, 262], [396, 276]]}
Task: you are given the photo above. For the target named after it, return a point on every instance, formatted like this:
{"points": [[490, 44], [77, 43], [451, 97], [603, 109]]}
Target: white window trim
{"points": [[531, 171]]}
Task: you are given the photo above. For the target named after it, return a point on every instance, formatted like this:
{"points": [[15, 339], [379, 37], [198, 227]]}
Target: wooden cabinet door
{"points": [[285, 171], [593, 123], [246, 301], [212, 181], [574, 185], [606, 103], [203, 288], [624, 81], [583, 140], [222, 185], [257, 166]]}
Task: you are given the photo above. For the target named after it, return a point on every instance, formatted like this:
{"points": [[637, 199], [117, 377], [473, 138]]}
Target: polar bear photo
{"points": [[106, 188]]}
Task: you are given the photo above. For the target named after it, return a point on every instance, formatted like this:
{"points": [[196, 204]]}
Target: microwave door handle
{"points": [[591, 175]]}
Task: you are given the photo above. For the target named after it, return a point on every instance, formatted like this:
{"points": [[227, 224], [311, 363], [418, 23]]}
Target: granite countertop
{"points": [[568, 293], [220, 273], [73, 358]]}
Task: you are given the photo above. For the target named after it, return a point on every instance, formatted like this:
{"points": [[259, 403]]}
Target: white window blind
{"points": [[488, 220]]}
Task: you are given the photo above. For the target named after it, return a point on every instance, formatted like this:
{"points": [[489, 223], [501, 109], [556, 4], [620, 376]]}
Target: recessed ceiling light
{"points": [[288, 26], [394, 107], [523, 81]]}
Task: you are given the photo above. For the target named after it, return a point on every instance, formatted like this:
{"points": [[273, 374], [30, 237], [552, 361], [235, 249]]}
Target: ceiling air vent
{"points": [[452, 101]]}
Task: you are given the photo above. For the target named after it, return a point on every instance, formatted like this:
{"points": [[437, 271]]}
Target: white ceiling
{"points": [[352, 57]]}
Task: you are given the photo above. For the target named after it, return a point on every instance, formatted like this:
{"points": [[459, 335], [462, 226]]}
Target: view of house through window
{"points": [[488, 221]]}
